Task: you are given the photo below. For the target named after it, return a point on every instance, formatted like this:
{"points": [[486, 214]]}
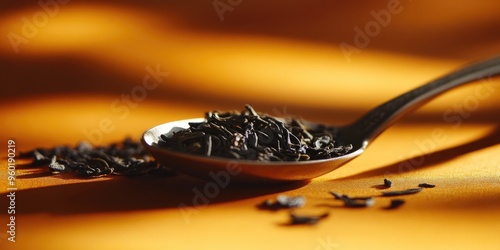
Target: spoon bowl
{"points": [[359, 134], [239, 170]]}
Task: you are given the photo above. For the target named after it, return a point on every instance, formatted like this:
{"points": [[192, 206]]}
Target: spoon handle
{"points": [[377, 120]]}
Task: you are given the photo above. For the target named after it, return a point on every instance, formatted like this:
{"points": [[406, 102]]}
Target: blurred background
{"points": [[101, 70], [74, 70]]}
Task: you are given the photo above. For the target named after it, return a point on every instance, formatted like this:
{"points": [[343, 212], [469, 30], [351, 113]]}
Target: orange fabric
{"points": [[70, 81]]}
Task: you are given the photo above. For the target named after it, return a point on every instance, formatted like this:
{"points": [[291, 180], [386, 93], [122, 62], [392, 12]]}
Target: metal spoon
{"points": [[359, 134]]}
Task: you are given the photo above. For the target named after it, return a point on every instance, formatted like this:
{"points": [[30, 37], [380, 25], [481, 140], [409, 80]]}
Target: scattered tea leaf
{"points": [[387, 182], [283, 201], [56, 167], [426, 185], [306, 219], [354, 202], [337, 196], [395, 203], [291, 201], [357, 202], [402, 192]]}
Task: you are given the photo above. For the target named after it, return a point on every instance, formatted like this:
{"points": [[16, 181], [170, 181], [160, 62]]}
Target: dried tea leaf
{"points": [[283, 201], [354, 202], [402, 192], [387, 182], [296, 219], [426, 185], [395, 203]]}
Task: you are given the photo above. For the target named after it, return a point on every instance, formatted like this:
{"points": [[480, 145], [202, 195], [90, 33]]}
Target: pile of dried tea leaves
{"points": [[127, 158], [252, 136]]}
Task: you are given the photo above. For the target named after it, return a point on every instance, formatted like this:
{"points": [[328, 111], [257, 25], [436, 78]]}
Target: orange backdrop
{"points": [[100, 71]]}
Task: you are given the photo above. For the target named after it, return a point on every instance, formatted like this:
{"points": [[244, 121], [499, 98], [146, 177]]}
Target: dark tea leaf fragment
{"points": [[387, 182], [395, 203], [40, 157], [402, 192], [337, 196], [426, 185], [296, 219], [354, 202], [291, 201], [359, 202], [56, 167], [283, 201]]}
